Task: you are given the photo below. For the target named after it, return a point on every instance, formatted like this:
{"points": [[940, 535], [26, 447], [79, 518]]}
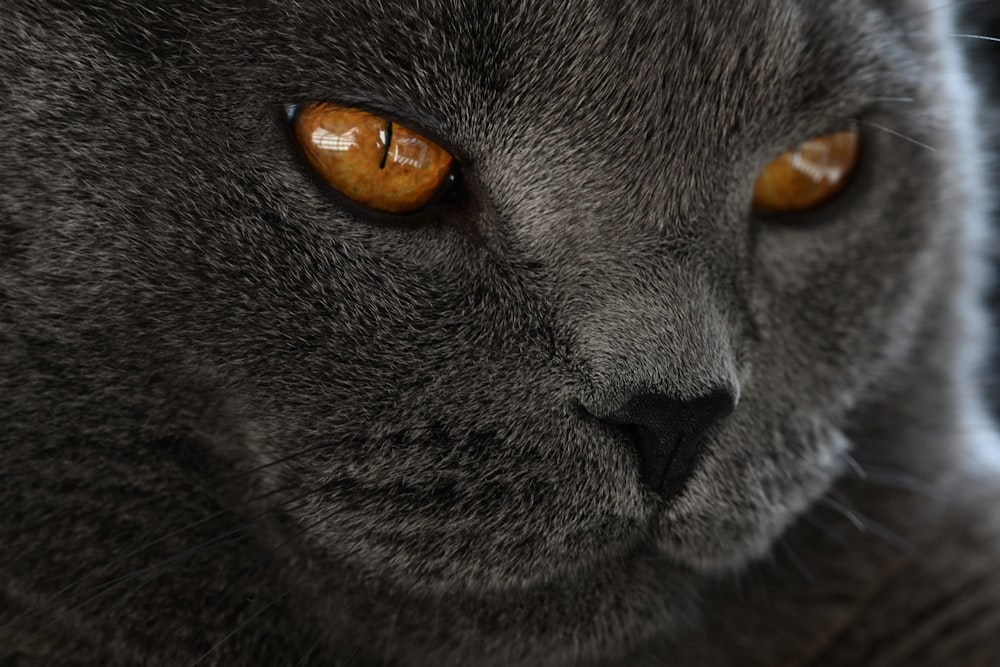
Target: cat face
{"points": [[435, 399]]}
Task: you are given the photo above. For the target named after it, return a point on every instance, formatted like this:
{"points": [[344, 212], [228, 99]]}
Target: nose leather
{"points": [[668, 433]]}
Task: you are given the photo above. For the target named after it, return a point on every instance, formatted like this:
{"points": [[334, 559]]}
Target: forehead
{"points": [[566, 55], [620, 80]]}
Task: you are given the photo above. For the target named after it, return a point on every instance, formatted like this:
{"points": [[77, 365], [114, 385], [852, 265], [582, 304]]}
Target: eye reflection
{"points": [[410, 151], [371, 160], [809, 175], [326, 140], [813, 160]]}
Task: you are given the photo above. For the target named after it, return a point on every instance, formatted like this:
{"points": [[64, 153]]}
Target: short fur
{"points": [[245, 422]]}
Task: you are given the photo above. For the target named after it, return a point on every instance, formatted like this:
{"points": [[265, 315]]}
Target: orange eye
{"points": [[808, 176], [371, 160]]}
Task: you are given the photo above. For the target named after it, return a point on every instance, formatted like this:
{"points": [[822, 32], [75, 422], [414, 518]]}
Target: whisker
{"points": [[144, 574], [301, 452], [194, 524], [983, 37], [894, 479], [151, 570], [825, 530], [847, 513], [386, 654], [354, 654], [8, 473], [892, 538], [100, 590], [155, 569], [901, 136], [854, 465], [904, 482], [797, 562], [280, 545], [308, 654], [866, 524], [283, 459], [239, 627], [78, 587], [295, 535]]}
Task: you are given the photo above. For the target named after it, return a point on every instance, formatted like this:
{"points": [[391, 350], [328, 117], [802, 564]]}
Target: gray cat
{"points": [[669, 359]]}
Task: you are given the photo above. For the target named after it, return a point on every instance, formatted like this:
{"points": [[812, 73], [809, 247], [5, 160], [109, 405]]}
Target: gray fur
{"points": [[246, 423]]}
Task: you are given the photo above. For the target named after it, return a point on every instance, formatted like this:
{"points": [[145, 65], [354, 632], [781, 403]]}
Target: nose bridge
{"points": [[665, 332], [600, 186], [636, 268]]}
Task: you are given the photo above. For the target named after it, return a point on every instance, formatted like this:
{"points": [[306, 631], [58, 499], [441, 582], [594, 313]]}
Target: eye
{"points": [[371, 160], [811, 174]]}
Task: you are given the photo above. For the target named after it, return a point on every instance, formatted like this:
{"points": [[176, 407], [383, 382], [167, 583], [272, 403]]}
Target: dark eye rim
{"points": [[450, 200]]}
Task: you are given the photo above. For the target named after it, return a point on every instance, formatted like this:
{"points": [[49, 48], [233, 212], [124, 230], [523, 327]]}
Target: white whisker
{"points": [[854, 465], [866, 524], [983, 37], [847, 513], [901, 136]]}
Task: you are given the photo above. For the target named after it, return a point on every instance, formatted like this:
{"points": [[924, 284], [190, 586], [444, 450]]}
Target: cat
{"points": [[587, 404]]}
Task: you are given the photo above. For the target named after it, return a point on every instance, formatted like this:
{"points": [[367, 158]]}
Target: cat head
{"points": [[550, 401]]}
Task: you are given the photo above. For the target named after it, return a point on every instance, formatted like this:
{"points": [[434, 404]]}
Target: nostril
{"points": [[668, 434], [663, 467]]}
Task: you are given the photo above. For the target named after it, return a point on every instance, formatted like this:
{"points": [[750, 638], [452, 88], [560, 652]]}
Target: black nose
{"points": [[668, 433]]}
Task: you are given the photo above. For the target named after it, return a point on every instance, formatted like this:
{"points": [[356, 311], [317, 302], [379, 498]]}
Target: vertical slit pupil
{"points": [[388, 142]]}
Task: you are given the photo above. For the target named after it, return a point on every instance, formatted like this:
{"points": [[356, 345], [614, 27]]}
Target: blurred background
{"points": [[982, 17]]}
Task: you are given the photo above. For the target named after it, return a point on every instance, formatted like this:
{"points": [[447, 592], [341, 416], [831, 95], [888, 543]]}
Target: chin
{"points": [[731, 515]]}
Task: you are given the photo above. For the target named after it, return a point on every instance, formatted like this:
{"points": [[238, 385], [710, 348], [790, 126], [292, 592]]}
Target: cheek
{"points": [[837, 307]]}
